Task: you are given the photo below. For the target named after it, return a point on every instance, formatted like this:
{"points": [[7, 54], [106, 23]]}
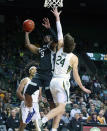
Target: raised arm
{"points": [[47, 25], [30, 46], [76, 75], [59, 27]]}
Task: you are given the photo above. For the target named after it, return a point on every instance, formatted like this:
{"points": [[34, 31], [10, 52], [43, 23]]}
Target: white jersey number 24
{"points": [[60, 60]]}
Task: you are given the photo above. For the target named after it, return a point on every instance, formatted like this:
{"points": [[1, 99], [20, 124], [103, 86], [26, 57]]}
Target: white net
{"points": [[53, 3]]}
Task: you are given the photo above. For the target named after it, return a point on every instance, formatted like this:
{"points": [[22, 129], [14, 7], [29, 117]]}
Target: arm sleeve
{"points": [[59, 30], [53, 34]]}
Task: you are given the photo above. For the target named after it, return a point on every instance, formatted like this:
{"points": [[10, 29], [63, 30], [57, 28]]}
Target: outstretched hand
{"points": [[46, 23], [55, 12], [87, 91]]}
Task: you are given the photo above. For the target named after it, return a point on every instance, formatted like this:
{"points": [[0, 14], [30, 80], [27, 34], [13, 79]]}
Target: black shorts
{"points": [[40, 81], [48, 95]]}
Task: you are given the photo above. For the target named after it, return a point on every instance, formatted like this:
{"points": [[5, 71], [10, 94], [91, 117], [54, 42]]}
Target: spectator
{"points": [[8, 112], [93, 119], [81, 118], [97, 102], [81, 102], [85, 78], [12, 121], [2, 118], [92, 109], [105, 115], [101, 117], [1, 105], [75, 123], [74, 111], [104, 98], [42, 114], [74, 85], [97, 87], [65, 118], [105, 104], [85, 113]]}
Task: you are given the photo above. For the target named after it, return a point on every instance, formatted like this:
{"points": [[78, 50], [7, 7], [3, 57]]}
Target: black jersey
{"points": [[44, 70], [47, 57]]}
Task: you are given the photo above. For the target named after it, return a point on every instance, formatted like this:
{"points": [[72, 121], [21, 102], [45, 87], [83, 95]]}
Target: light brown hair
{"points": [[69, 44]]}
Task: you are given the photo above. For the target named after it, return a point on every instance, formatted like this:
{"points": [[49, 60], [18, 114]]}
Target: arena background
{"points": [[85, 20]]}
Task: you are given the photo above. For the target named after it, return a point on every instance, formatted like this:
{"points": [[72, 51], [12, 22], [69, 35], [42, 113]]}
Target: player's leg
{"points": [[56, 121], [48, 92], [22, 126], [37, 128], [60, 97], [60, 109], [49, 98], [21, 116], [36, 118], [31, 88], [55, 113], [28, 110]]}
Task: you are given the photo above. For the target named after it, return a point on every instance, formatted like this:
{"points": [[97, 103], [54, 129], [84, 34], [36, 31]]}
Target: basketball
{"points": [[28, 25]]}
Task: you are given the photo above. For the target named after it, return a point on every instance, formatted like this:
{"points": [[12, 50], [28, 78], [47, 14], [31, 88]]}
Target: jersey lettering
{"points": [[42, 54], [60, 60]]}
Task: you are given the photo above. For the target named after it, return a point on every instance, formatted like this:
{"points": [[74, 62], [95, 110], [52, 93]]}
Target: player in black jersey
{"points": [[46, 54]]}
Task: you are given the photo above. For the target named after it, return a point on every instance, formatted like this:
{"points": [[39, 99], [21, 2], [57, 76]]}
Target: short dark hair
{"points": [[69, 44]]}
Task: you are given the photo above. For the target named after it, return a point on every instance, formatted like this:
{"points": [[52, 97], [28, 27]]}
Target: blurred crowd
{"points": [[81, 108]]}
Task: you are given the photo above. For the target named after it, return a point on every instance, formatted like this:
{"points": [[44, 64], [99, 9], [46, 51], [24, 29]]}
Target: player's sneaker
{"points": [[30, 115], [41, 125]]}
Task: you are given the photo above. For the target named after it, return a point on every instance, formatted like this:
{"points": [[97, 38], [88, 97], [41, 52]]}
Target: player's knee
{"points": [[62, 111]]}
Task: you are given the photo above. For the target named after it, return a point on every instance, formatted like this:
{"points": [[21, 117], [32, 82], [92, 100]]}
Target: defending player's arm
{"points": [[20, 89], [59, 27], [30, 46], [76, 75]]}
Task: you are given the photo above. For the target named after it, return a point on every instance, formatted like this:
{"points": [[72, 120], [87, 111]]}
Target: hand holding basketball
{"points": [[28, 25]]}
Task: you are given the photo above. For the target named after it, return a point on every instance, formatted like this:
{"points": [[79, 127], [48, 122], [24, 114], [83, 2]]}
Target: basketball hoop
{"points": [[53, 3]]}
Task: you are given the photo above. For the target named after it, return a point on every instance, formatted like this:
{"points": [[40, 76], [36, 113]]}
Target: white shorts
{"points": [[60, 90], [25, 111]]}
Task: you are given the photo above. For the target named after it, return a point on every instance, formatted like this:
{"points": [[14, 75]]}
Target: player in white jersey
{"points": [[24, 109], [59, 86]]}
